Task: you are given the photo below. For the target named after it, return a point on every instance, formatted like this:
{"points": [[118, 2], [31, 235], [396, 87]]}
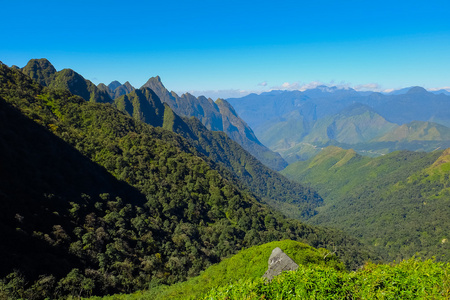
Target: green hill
{"points": [[417, 131], [248, 264], [319, 276], [396, 203], [355, 124], [296, 138]]}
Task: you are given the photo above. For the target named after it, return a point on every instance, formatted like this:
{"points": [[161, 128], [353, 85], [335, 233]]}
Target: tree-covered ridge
{"points": [[222, 118], [41, 70], [217, 116], [45, 74], [397, 203], [289, 197], [164, 216]]}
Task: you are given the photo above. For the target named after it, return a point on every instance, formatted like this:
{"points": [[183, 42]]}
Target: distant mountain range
{"points": [[299, 124]]}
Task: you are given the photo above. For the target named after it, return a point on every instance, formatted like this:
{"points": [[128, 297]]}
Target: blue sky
{"points": [[230, 48]]}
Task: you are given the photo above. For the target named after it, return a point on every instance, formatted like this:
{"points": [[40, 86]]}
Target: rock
{"points": [[279, 262]]}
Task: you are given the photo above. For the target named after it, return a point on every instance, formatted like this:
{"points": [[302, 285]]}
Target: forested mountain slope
{"points": [[289, 197], [217, 116], [397, 203], [118, 202]]}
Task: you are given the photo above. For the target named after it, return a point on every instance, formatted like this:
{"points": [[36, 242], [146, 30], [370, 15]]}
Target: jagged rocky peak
{"points": [[279, 262], [155, 80], [114, 85], [128, 85]]}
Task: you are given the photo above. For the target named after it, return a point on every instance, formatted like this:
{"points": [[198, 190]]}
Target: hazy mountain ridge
{"points": [[299, 124]]}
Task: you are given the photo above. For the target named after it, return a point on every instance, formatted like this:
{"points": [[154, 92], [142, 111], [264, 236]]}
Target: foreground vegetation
{"points": [[320, 276], [247, 264], [410, 279]]}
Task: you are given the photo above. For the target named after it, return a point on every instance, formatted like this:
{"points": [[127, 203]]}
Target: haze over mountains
{"points": [[299, 124]]}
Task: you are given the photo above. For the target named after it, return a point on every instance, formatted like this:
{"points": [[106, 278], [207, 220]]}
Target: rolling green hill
{"points": [[319, 276], [416, 131], [396, 203], [248, 264], [295, 138]]}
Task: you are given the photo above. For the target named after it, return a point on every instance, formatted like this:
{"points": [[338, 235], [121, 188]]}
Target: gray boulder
{"points": [[279, 262]]}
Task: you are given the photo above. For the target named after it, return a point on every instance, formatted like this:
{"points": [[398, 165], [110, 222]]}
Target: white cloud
{"points": [[367, 87], [447, 88], [287, 86], [298, 86], [224, 94], [311, 85]]}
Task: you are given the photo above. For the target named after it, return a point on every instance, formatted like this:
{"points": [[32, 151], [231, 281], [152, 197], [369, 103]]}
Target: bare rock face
{"points": [[279, 262]]}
